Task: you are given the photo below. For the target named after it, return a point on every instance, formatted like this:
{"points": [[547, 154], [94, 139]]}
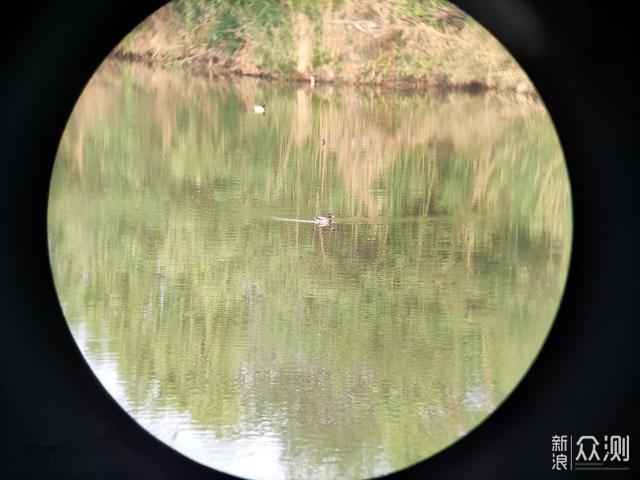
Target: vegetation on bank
{"points": [[428, 43]]}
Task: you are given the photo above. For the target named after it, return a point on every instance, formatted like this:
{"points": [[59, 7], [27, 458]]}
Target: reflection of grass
{"points": [[354, 40], [161, 240]]}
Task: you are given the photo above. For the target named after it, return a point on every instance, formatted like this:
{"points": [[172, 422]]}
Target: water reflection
{"points": [[276, 349]]}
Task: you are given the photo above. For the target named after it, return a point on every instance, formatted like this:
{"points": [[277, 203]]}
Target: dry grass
{"points": [[364, 42]]}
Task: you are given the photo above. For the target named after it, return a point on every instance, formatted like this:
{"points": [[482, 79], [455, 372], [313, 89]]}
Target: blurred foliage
{"points": [[358, 41], [229, 25]]}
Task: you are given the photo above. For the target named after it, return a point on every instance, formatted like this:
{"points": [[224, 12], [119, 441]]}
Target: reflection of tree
{"points": [[424, 306]]}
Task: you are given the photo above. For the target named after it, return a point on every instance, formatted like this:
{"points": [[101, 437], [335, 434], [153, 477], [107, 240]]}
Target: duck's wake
{"points": [[283, 219]]}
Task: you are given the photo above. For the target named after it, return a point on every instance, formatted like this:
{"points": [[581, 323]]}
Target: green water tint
{"points": [[274, 349]]}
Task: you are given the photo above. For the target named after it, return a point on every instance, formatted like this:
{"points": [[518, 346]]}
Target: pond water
{"points": [[281, 349]]}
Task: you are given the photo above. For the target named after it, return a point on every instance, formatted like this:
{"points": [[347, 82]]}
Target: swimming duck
{"points": [[324, 220], [260, 108]]}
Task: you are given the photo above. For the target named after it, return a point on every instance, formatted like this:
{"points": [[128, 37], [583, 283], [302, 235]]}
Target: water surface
{"points": [[272, 349]]}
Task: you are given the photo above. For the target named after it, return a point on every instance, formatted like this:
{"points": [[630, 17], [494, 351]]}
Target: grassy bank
{"points": [[411, 43]]}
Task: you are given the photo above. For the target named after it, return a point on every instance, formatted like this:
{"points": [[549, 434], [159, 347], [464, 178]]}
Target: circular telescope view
{"points": [[309, 238]]}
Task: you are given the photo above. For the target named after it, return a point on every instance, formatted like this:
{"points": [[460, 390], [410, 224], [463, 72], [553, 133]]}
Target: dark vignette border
{"points": [[58, 421]]}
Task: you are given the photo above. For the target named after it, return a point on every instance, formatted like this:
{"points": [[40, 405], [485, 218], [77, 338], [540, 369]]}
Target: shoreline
{"points": [[393, 46], [435, 83]]}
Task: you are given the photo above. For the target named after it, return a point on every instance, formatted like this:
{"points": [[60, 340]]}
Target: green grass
{"points": [[260, 37]]}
